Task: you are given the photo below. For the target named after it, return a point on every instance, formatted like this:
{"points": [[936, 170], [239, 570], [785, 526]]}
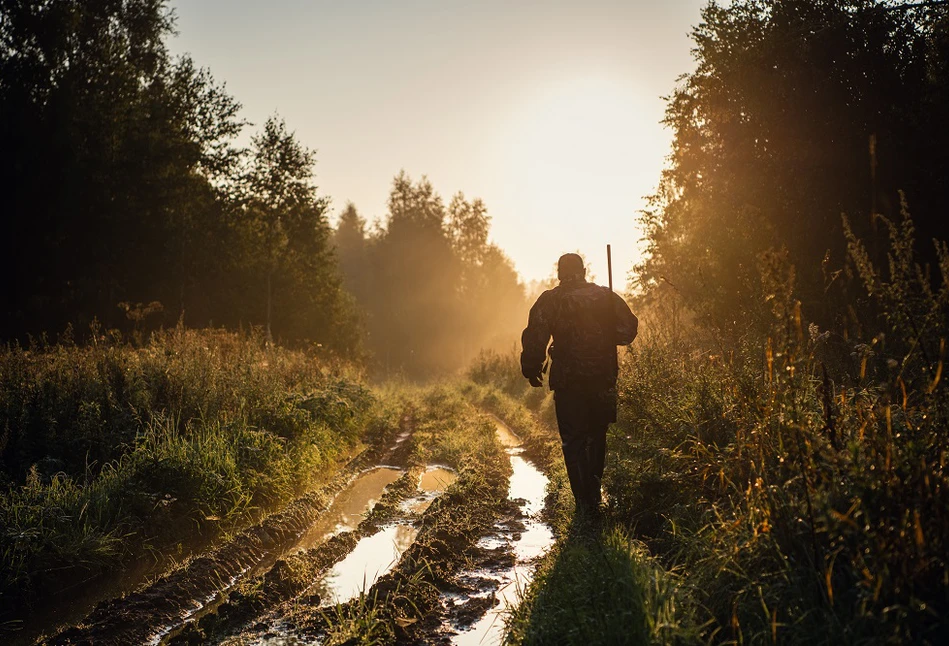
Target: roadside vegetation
{"points": [[782, 439], [112, 451], [787, 486], [798, 478]]}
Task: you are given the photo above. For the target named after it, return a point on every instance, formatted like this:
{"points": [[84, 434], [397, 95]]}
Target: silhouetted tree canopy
{"points": [[352, 248], [111, 150], [125, 186], [285, 244], [798, 112]]}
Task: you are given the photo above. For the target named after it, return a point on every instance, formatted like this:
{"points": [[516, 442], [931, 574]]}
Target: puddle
{"points": [[344, 514], [433, 483], [402, 437], [375, 555], [527, 484], [72, 606], [506, 436], [284, 637], [349, 507], [372, 557], [528, 487], [437, 480]]}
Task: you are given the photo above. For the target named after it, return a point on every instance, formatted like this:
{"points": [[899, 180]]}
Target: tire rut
{"points": [[458, 570]]}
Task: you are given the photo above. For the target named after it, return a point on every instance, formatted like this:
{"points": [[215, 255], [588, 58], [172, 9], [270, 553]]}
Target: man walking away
{"points": [[587, 322]]}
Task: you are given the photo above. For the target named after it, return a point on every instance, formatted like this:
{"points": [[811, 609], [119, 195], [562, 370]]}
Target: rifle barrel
{"points": [[609, 265]]}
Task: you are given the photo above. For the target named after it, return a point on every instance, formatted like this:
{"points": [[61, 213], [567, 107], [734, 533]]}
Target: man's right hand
{"points": [[536, 381]]}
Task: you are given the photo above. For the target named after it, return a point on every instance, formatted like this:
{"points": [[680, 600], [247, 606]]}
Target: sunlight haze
{"points": [[549, 112]]}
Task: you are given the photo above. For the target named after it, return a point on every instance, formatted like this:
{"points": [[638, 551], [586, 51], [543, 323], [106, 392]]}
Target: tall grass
{"points": [[110, 449], [799, 478]]}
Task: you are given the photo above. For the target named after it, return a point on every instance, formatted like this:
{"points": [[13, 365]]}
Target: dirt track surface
{"points": [[444, 582], [453, 578]]}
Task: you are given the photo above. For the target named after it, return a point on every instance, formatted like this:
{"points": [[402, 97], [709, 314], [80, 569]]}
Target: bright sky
{"points": [[548, 111]]}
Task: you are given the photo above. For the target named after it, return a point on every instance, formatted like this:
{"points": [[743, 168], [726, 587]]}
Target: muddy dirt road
{"points": [[426, 539]]}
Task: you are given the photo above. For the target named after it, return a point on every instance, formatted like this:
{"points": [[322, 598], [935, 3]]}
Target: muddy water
{"points": [[433, 483], [344, 514], [436, 480], [372, 557], [375, 555], [528, 487], [348, 508], [74, 607]]}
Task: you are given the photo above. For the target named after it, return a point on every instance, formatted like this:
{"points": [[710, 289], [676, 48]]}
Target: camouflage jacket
{"points": [[587, 322]]}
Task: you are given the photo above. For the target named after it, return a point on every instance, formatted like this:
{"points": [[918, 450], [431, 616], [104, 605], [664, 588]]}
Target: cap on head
{"points": [[569, 266]]}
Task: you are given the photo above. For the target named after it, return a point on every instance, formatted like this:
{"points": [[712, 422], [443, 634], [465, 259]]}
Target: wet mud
{"points": [[376, 554], [347, 562], [439, 555], [474, 549], [505, 559]]}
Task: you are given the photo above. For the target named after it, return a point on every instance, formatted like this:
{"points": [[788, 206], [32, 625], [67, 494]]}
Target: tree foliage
{"points": [[797, 112], [125, 185], [130, 203], [284, 243], [111, 148]]}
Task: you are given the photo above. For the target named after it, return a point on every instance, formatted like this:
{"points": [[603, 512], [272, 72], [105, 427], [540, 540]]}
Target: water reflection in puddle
{"points": [[349, 507], [528, 484], [372, 557], [344, 514], [432, 484], [529, 487], [437, 479], [284, 637], [506, 436], [375, 555]]}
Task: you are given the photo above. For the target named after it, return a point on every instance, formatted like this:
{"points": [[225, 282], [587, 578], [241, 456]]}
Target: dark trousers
{"points": [[582, 418]]}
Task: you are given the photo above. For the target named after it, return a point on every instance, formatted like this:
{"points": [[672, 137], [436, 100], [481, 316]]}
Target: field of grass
{"points": [[111, 451]]}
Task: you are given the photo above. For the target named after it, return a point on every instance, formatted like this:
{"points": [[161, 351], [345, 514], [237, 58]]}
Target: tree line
{"points": [[129, 202], [435, 290]]}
